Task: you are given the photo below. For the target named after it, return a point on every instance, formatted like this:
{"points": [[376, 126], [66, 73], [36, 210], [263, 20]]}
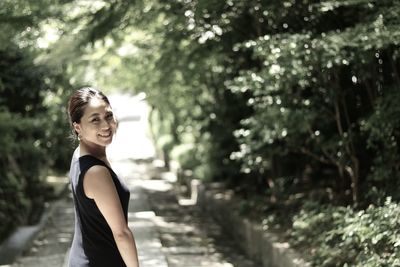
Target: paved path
{"points": [[189, 237], [50, 248], [51, 244], [166, 233]]}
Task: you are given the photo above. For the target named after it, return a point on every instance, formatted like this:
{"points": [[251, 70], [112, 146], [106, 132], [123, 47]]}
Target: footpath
{"points": [[167, 233]]}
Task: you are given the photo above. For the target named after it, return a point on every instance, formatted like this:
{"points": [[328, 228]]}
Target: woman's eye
{"points": [[109, 116], [96, 120]]}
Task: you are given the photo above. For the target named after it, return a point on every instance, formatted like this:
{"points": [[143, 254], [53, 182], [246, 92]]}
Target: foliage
{"points": [[58, 139], [342, 236], [263, 82], [20, 169], [34, 128], [383, 126], [282, 98], [29, 146], [313, 94]]}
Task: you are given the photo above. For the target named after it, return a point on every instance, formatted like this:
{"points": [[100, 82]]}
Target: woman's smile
{"points": [[106, 134]]}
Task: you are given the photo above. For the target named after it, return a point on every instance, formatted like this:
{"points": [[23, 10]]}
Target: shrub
{"points": [[33, 136], [22, 161], [342, 236]]}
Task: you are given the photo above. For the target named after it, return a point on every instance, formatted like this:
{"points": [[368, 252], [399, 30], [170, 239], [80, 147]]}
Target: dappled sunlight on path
{"points": [[132, 154], [188, 235], [50, 246]]}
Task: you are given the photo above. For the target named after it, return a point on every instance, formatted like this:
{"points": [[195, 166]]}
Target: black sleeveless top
{"points": [[93, 243]]}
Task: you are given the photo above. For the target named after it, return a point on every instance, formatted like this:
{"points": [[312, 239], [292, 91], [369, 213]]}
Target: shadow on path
{"points": [[189, 237]]}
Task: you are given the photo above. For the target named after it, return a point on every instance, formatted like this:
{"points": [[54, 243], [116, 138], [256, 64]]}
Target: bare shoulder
{"points": [[98, 182], [98, 172]]}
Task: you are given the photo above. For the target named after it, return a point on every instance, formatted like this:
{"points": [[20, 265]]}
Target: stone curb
{"points": [[22, 237], [262, 246]]}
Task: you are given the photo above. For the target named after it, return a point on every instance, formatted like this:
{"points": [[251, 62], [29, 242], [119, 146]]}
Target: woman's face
{"points": [[97, 124]]}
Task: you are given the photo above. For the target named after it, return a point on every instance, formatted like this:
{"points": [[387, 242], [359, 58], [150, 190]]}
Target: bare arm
{"points": [[98, 184]]}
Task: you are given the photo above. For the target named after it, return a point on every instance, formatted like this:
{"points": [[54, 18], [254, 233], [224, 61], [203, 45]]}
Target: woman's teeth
{"points": [[105, 135]]}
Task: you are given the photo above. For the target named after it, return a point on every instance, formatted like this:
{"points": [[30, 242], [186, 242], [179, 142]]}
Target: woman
{"points": [[102, 236]]}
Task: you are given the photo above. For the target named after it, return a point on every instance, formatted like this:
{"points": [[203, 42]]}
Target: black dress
{"points": [[93, 243]]}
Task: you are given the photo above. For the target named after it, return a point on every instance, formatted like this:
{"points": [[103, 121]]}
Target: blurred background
{"points": [[294, 105]]}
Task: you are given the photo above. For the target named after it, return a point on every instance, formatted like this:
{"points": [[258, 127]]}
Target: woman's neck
{"points": [[92, 149]]}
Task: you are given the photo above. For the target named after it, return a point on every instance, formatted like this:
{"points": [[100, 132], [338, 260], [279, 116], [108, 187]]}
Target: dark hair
{"points": [[79, 100]]}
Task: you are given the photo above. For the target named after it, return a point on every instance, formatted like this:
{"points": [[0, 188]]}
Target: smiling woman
{"points": [[102, 236], [97, 124]]}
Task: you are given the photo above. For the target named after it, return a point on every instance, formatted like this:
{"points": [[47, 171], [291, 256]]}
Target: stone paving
{"points": [[189, 237]]}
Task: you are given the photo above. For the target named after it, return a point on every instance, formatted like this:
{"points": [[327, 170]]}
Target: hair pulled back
{"points": [[79, 100]]}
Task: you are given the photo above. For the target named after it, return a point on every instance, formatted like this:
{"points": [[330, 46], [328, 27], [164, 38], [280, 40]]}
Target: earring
{"points": [[79, 137]]}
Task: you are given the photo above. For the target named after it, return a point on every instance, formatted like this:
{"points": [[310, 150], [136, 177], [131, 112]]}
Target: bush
{"points": [[342, 236], [22, 164], [33, 136], [58, 140]]}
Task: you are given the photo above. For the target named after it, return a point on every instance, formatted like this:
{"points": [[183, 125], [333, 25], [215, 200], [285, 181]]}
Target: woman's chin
{"points": [[105, 140]]}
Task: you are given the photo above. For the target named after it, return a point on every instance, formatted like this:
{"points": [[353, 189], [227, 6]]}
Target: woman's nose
{"points": [[105, 124]]}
